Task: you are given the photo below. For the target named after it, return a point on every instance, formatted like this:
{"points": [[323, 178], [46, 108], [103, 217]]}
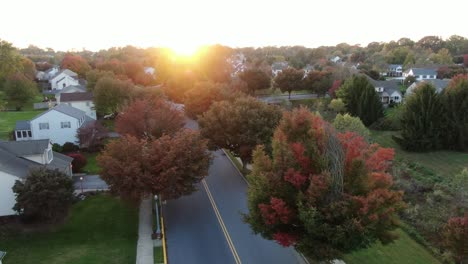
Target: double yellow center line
{"points": [[221, 223]]}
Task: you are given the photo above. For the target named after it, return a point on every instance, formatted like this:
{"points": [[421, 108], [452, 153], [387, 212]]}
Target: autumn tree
{"points": [[92, 135], [456, 238], [44, 195], [288, 80], [149, 119], [93, 76], [361, 99], [255, 79], [19, 90], [335, 86], [318, 82], [10, 60], [346, 123], [199, 99], [75, 63], [169, 165], [421, 120], [110, 95], [455, 101], [322, 192], [239, 126]]}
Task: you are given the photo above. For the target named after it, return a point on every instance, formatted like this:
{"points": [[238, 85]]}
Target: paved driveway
{"points": [[89, 182]]}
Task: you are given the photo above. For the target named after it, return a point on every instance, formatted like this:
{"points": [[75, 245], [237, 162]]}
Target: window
{"points": [[397, 98], [64, 85], [43, 126], [25, 134], [65, 124], [18, 134], [29, 133]]}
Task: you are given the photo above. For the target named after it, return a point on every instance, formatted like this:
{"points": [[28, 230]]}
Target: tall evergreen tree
{"points": [[361, 99], [455, 100], [422, 120]]}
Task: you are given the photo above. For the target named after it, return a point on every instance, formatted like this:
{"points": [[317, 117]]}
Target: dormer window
{"points": [[50, 155]]}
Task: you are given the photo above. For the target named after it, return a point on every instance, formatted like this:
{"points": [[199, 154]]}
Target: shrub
{"points": [[57, 148], [69, 147], [79, 161]]}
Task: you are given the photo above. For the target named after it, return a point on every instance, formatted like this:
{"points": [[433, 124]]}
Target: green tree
{"points": [[255, 79], [318, 82], [10, 61], [93, 76], [19, 90], [337, 106], [44, 195], [421, 120], [455, 100], [361, 99], [111, 95], [323, 193], [442, 57], [344, 123], [289, 80], [239, 126]]}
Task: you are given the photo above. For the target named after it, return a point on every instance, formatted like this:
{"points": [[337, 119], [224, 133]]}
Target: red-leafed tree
{"points": [[75, 63], [335, 86], [170, 165], [456, 238], [323, 192], [78, 163], [149, 119], [465, 60]]}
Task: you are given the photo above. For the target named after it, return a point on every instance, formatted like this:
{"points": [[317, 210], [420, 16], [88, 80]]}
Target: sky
{"points": [[185, 24]]}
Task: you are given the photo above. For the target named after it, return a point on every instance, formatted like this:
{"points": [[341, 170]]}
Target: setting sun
{"points": [[185, 49]]}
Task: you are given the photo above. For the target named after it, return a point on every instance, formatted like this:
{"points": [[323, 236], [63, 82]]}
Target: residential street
{"points": [[90, 182], [279, 98], [199, 233]]}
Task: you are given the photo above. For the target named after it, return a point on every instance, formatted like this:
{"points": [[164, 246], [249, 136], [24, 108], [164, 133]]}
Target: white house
{"points": [[50, 73], [59, 124], [278, 67], [421, 73], [18, 158], [395, 70], [69, 89], [63, 79], [335, 59], [388, 91], [82, 101], [440, 85]]}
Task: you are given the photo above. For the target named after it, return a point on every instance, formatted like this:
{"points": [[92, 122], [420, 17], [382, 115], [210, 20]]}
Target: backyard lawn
{"points": [[100, 229], [91, 165], [8, 120], [444, 163], [404, 250]]}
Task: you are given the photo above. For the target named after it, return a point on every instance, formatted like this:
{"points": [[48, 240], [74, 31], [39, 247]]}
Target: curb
{"points": [[163, 231], [235, 167]]}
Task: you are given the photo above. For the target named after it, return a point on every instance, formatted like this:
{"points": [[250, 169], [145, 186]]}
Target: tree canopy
{"points": [[255, 79], [325, 193], [239, 125], [288, 80]]}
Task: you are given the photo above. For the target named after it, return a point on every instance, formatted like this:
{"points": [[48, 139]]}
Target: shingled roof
{"points": [[74, 97]]}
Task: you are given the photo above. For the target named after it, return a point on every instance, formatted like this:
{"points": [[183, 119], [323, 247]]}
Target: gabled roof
{"points": [[423, 71], [14, 165], [25, 148], [389, 86], [74, 97], [438, 83], [67, 72], [23, 125], [65, 109], [80, 88]]}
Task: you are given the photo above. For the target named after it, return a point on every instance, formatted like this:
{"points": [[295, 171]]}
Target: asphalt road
{"points": [[280, 98], [89, 182], [206, 227]]}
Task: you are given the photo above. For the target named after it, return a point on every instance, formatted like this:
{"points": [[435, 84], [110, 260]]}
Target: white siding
{"points": [[7, 197], [85, 106], [395, 94], [55, 133], [39, 158], [58, 84]]}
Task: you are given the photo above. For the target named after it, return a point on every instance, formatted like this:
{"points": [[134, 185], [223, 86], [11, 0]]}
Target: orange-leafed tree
{"points": [[149, 119], [199, 99], [75, 63], [170, 165], [323, 192]]}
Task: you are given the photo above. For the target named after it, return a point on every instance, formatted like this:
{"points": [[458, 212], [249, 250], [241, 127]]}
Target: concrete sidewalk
{"points": [[145, 243]]}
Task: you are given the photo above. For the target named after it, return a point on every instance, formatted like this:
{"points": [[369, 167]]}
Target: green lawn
{"points": [[158, 255], [8, 120], [100, 229], [444, 163], [404, 250], [91, 165]]}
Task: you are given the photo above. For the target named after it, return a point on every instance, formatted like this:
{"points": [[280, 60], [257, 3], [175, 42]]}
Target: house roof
{"points": [[423, 71], [25, 148], [80, 88], [23, 125], [438, 83], [67, 72], [279, 65], [73, 97], [65, 109], [389, 86]]}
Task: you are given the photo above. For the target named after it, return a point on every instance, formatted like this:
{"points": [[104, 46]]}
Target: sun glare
{"points": [[184, 50]]}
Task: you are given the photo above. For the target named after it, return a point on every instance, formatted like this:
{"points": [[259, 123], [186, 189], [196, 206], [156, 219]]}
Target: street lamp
{"points": [[81, 182], [157, 232]]}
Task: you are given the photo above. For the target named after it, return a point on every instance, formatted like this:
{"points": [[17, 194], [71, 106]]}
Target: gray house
{"points": [[421, 73], [440, 85]]}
